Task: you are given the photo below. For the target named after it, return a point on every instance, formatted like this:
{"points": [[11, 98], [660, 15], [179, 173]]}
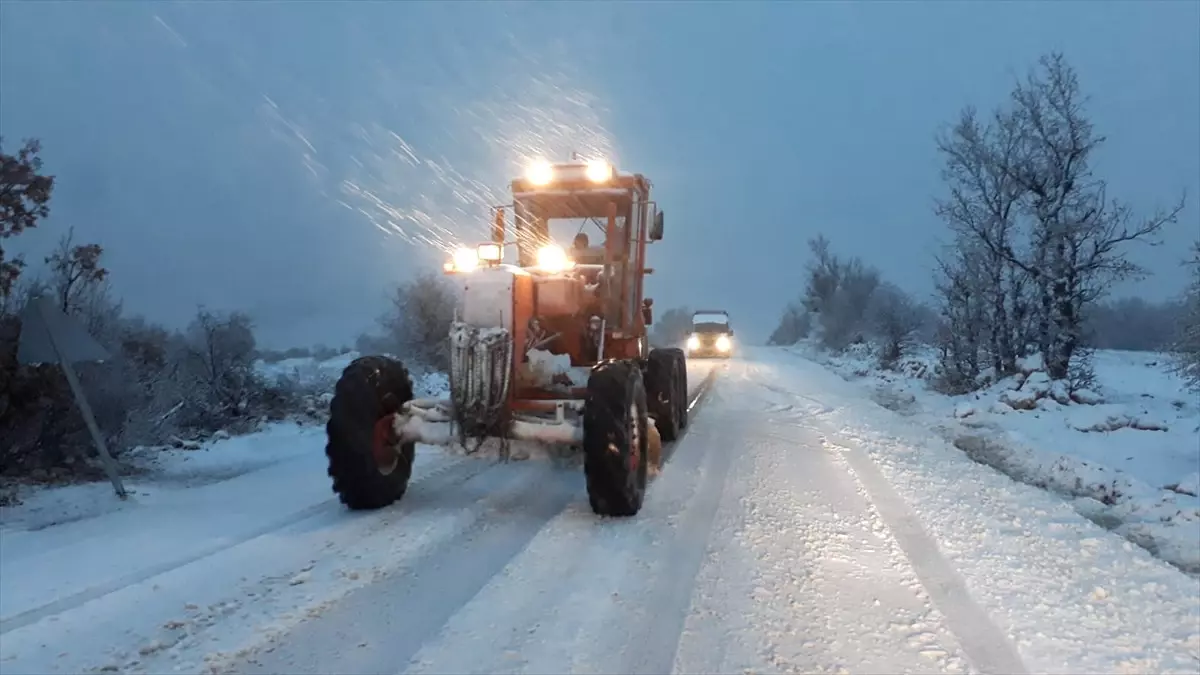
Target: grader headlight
{"points": [[464, 260], [553, 258]]}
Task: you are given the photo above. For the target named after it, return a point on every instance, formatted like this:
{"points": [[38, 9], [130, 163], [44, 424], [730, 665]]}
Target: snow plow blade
{"points": [[432, 422]]}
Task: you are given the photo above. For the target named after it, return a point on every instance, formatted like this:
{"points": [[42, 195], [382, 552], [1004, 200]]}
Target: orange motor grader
{"points": [[549, 345]]}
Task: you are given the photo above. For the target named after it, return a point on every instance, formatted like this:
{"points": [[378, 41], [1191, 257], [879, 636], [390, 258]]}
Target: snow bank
{"points": [[307, 371], [1126, 453], [1072, 598], [220, 548]]}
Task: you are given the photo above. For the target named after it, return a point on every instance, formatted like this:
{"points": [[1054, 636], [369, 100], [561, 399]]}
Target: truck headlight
{"points": [[724, 343], [465, 260], [553, 258], [539, 173], [693, 342]]}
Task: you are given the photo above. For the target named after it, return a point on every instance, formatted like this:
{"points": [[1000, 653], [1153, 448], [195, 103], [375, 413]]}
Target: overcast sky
{"points": [[295, 159]]}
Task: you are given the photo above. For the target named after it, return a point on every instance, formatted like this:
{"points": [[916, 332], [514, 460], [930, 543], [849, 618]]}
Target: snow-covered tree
{"points": [[895, 319], [1041, 240], [837, 294], [672, 327], [218, 364], [1186, 346], [417, 325], [794, 325]]}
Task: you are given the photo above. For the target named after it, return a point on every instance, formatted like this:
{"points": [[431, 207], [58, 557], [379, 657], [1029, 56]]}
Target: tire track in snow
{"points": [[327, 511], [985, 645], [584, 593], [574, 599], [989, 649], [670, 598], [382, 626]]}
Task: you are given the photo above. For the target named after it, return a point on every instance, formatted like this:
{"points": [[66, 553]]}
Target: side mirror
{"points": [[656, 230], [647, 313]]}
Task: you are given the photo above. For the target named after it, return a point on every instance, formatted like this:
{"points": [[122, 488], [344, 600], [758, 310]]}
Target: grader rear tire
{"points": [[662, 392], [615, 439], [369, 468], [682, 383]]}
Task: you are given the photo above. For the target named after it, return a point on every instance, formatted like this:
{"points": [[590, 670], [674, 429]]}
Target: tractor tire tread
{"points": [[369, 388], [613, 387]]}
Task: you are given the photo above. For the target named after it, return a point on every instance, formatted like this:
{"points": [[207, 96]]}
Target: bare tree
{"points": [[219, 362], [963, 328], [75, 272], [1079, 232], [982, 210]]}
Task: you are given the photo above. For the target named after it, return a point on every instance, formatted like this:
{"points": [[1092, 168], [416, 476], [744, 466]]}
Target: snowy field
{"points": [[798, 527], [308, 374], [1127, 455]]}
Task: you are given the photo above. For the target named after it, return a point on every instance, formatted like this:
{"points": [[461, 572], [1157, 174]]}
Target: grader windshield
{"points": [[588, 218], [556, 204]]}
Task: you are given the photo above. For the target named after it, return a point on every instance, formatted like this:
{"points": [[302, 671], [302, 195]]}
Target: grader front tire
{"points": [[369, 467]]}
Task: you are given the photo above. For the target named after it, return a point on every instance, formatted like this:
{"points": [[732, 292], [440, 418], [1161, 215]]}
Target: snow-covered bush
{"points": [[795, 325], [895, 320]]}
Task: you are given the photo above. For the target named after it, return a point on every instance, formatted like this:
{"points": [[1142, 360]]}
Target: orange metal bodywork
{"points": [[562, 304]]}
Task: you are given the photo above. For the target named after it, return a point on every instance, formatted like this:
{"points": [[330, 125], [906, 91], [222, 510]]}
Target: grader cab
{"points": [[550, 346]]}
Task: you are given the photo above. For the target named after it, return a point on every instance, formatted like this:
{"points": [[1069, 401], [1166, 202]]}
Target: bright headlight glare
{"points": [[539, 173], [553, 258], [693, 342], [465, 260], [489, 252], [723, 343], [599, 171]]}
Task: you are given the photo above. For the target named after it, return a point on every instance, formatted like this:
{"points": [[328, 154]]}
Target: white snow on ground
{"points": [[237, 537], [797, 528], [1127, 454], [1073, 597]]}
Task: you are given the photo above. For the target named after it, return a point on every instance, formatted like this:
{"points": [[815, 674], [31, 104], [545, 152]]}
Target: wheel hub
{"points": [[383, 444]]}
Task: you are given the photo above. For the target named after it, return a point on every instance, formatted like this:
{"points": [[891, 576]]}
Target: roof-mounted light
{"points": [[539, 173], [489, 253], [599, 171]]}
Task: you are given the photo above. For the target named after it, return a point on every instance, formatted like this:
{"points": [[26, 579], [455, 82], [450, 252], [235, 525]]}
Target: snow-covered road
{"points": [[798, 527]]}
